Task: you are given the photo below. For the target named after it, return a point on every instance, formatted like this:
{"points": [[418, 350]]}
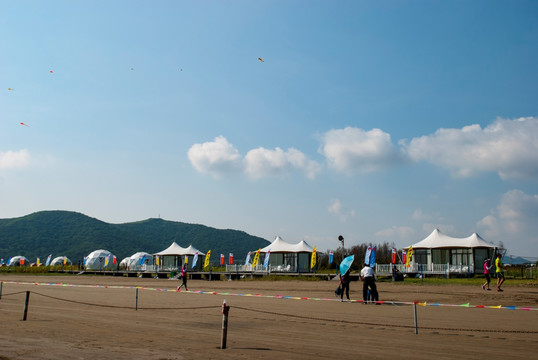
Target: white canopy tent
{"points": [[172, 256], [285, 256], [466, 254]]}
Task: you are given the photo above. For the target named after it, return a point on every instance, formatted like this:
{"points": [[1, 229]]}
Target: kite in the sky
{"points": [[260, 60], [52, 72], [24, 124], [10, 89], [132, 69]]}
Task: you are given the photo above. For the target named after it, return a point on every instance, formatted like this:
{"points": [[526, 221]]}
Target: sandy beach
{"points": [[97, 318]]}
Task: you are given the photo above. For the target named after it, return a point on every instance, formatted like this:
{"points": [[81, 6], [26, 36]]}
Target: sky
{"points": [[377, 121]]}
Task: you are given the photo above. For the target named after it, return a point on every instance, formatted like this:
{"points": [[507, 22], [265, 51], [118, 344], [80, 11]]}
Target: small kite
{"points": [[52, 72], [132, 69], [24, 124], [10, 89], [260, 60], [180, 69]]}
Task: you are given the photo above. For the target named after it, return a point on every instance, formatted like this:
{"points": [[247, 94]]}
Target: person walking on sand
{"points": [[183, 278], [344, 285], [499, 267], [368, 282], [487, 271]]}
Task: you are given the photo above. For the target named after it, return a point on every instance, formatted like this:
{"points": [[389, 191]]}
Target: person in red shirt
{"points": [[487, 271], [183, 278]]}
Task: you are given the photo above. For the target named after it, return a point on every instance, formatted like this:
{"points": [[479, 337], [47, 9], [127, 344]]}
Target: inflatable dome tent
{"points": [[18, 261], [97, 260], [139, 261], [59, 261], [124, 263]]}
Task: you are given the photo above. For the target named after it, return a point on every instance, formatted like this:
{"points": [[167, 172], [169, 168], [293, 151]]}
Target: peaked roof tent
{"points": [[191, 250], [177, 250], [439, 240], [173, 249], [281, 246]]}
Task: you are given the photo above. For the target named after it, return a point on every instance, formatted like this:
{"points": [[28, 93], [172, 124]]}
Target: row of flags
{"points": [[369, 258]]}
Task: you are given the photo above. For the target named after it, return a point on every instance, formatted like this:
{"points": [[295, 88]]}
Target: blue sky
{"points": [[378, 121]]}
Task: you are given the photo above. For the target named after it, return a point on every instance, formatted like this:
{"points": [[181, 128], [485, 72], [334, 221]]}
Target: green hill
{"points": [[75, 235]]}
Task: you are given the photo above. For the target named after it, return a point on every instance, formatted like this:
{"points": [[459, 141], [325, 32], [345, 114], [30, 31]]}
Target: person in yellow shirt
{"points": [[499, 267]]}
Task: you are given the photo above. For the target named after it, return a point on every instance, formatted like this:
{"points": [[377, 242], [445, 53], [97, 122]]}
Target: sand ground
{"points": [[187, 325]]}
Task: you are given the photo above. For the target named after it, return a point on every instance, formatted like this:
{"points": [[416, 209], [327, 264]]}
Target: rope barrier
{"points": [[125, 307], [386, 325], [15, 293]]}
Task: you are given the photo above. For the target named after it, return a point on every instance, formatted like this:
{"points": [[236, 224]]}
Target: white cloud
{"points": [[263, 162], [336, 208], [14, 159], [513, 222], [355, 149], [418, 215], [396, 232], [507, 147], [217, 157]]}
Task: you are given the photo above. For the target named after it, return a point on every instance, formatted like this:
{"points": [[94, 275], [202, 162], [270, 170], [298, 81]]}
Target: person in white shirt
{"points": [[368, 281]]}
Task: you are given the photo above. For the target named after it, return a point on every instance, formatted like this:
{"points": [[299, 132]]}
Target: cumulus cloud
{"points": [[216, 157], [513, 222], [396, 232], [263, 162], [219, 157], [353, 149], [507, 147], [336, 208], [14, 159]]}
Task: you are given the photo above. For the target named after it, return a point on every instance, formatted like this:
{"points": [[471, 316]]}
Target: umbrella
{"points": [[346, 264]]}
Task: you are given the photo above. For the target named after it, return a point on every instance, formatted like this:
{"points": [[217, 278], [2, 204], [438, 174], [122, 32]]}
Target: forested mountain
{"points": [[75, 235]]}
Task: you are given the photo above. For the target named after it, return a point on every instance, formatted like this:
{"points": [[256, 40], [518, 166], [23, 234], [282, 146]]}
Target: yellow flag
{"points": [[409, 254], [38, 262], [256, 258], [206, 262], [157, 260], [313, 260]]}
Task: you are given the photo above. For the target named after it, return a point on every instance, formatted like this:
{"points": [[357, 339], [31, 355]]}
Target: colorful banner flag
{"points": [[65, 260], [256, 258], [114, 260], [404, 256], [394, 256], [21, 261], [194, 260], [367, 255], [331, 257], [266, 260], [314, 258], [157, 260], [373, 257], [247, 259], [84, 260], [107, 259], [222, 259], [409, 256], [38, 262], [206, 262], [186, 260], [231, 261], [47, 263], [141, 260]]}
